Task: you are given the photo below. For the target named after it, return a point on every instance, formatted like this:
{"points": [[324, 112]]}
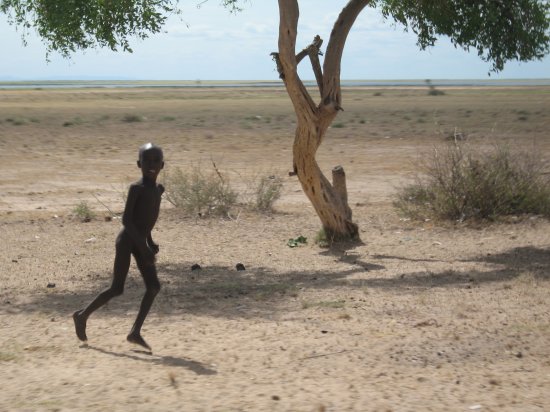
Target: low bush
{"points": [[267, 191], [198, 193], [460, 182], [83, 212], [133, 118]]}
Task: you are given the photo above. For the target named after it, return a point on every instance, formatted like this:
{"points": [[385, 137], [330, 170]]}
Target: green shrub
{"points": [[74, 122], [267, 191], [200, 194], [432, 90], [133, 118], [17, 121], [435, 92], [83, 212], [321, 238], [460, 182]]}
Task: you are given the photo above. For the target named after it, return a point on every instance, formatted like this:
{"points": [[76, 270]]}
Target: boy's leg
{"points": [[120, 271], [152, 288]]}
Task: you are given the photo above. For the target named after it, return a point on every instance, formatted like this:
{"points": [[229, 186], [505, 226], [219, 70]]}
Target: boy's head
{"points": [[151, 160], [148, 147]]}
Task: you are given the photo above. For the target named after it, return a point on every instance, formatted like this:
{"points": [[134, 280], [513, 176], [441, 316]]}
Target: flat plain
{"points": [[420, 316]]}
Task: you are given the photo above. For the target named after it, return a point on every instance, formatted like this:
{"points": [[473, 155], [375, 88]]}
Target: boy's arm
{"points": [[127, 220]]}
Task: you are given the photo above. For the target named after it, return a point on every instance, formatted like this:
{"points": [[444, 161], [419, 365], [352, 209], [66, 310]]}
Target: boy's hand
{"points": [[149, 255], [154, 247]]}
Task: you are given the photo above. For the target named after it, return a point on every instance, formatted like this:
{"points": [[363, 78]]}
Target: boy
{"points": [[140, 215]]}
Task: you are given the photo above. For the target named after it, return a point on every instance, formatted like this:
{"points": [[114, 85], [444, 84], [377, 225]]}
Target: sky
{"points": [[209, 43]]}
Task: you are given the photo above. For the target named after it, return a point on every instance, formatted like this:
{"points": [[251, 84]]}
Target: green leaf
{"points": [[296, 241]]}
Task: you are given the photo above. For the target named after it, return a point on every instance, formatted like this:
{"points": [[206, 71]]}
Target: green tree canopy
{"points": [[499, 30], [69, 25]]}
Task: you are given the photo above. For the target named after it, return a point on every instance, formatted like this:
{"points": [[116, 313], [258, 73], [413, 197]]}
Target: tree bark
{"points": [[339, 184], [329, 200]]}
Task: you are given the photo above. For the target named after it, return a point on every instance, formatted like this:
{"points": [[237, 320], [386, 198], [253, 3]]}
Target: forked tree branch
{"points": [[335, 48], [313, 51], [313, 48], [328, 77], [287, 59]]}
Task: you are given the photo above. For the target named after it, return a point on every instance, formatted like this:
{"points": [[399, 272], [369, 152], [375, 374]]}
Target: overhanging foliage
{"points": [[499, 30]]}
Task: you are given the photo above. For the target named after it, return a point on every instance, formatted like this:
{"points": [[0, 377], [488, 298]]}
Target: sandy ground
{"points": [[421, 316]]}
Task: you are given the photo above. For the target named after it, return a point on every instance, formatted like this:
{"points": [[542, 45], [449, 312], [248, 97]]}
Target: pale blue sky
{"points": [[211, 44]]}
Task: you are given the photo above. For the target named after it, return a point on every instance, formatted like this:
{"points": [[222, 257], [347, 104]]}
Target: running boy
{"points": [[140, 215]]}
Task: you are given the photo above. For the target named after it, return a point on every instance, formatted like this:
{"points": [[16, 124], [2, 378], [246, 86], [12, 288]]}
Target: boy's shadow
{"points": [[194, 366]]}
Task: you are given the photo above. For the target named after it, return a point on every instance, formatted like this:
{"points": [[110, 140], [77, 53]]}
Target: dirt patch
{"points": [[420, 316]]}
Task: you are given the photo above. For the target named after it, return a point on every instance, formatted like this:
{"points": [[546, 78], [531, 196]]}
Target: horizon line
{"points": [[119, 79]]}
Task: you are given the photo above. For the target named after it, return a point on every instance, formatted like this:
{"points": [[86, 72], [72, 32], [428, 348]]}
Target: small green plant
{"points": [[338, 125], [17, 121], [74, 122], [321, 239], [295, 242], [460, 182], [200, 194], [83, 212], [435, 92], [267, 191], [133, 118]]}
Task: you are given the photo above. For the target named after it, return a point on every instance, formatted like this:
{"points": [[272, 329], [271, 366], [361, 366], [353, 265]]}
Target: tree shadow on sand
{"points": [[261, 292], [506, 266]]}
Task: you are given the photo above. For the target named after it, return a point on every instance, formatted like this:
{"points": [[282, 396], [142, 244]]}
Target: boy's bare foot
{"points": [[80, 326], [136, 338]]}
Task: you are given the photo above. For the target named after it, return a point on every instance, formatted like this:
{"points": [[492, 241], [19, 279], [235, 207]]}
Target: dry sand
{"points": [[421, 316]]}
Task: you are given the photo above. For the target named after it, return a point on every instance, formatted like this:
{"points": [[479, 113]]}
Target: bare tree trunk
{"points": [[329, 200]]}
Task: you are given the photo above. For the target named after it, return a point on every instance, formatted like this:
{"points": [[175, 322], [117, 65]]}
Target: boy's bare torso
{"points": [[147, 206]]}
